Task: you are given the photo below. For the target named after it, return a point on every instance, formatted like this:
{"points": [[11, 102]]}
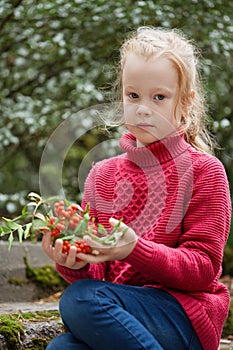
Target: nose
{"points": [[143, 111]]}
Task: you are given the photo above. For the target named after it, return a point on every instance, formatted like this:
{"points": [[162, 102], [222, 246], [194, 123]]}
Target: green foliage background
{"points": [[58, 57]]}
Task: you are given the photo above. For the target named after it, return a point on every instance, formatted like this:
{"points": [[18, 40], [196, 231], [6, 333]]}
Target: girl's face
{"points": [[150, 95]]}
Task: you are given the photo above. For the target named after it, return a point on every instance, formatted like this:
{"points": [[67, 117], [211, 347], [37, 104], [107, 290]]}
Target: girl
{"points": [[158, 287]]}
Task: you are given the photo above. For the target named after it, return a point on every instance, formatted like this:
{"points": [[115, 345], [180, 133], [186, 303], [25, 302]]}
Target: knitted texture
{"points": [[178, 202]]}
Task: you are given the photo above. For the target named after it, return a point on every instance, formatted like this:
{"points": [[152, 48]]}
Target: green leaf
{"points": [[87, 209], [10, 241], [37, 224], [66, 202], [4, 230], [81, 227], [101, 229], [68, 238], [20, 234], [40, 216], [27, 230], [24, 210], [22, 217], [11, 224], [86, 217]]}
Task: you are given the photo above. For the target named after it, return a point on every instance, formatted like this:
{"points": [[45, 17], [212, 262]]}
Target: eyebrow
{"points": [[160, 89], [164, 90]]}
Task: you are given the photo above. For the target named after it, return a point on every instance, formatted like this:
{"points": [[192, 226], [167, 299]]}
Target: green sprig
{"points": [[39, 218], [20, 226]]}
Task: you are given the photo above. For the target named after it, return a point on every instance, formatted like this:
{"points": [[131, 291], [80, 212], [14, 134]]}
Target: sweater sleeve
{"points": [[90, 271], [196, 261]]}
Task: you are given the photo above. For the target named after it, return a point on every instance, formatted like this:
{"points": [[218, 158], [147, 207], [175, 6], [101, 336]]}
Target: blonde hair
{"points": [[148, 41]]}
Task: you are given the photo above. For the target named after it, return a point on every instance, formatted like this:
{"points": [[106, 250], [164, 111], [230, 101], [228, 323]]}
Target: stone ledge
{"points": [[10, 308], [37, 333], [226, 344]]}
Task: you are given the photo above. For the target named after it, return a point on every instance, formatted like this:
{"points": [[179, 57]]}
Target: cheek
{"points": [[129, 112]]}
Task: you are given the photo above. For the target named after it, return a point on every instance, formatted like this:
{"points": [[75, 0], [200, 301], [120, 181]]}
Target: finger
{"points": [[95, 252], [113, 222], [47, 245], [71, 257], [46, 240], [92, 259], [58, 256], [128, 234], [93, 244], [97, 247], [58, 246]]}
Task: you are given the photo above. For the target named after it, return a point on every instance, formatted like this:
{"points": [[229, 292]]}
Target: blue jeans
{"points": [[106, 316]]}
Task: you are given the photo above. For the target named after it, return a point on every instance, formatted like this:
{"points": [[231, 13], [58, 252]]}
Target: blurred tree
{"points": [[57, 58]]}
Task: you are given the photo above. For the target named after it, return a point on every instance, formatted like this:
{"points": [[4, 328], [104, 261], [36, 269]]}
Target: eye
{"points": [[133, 95], [159, 97]]}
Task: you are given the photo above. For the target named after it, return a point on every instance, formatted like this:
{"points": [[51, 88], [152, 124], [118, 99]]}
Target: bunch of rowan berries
{"points": [[70, 223]]}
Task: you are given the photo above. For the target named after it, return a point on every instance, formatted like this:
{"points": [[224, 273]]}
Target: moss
{"points": [[17, 281], [46, 278], [46, 275], [12, 330], [228, 326], [39, 344], [48, 314], [28, 315], [41, 315]]}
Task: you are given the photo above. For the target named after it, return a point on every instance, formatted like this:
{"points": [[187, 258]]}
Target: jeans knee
{"points": [[78, 301], [79, 290]]}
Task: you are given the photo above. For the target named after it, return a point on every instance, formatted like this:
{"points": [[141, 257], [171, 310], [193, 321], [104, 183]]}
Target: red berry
{"points": [[66, 247], [52, 219], [44, 229], [55, 232], [66, 214], [81, 246], [72, 224], [77, 218], [60, 227]]}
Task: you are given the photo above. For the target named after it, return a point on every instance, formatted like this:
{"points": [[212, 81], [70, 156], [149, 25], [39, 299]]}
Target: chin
{"points": [[145, 142]]}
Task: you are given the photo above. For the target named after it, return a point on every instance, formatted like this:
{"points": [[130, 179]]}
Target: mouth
{"points": [[144, 126]]}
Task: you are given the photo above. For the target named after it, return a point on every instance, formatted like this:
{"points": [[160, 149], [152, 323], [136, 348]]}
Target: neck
{"points": [[156, 153]]}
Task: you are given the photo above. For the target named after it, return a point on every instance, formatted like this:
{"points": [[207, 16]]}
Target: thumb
{"points": [[113, 222]]}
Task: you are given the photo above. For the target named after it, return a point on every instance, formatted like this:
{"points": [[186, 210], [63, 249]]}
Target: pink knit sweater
{"points": [[177, 200]]}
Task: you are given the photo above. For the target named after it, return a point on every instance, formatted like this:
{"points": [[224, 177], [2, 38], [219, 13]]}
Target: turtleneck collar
{"points": [[156, 153]]}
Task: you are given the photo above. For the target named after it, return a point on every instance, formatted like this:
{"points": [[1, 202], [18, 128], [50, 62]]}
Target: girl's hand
{"points": [[55, 253], [102, 252]]}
